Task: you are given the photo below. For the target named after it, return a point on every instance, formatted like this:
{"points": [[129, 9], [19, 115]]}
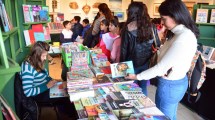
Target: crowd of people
{"points": [[131, 40]]}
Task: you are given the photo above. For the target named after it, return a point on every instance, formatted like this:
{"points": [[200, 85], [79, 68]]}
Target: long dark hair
{"points": [[103, 7], [137, 11], [177, 10], [34, 58]]}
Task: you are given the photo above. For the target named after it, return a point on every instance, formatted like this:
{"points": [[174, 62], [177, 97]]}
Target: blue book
{"points": [[43, 15], [39, 36], [3, 16]]}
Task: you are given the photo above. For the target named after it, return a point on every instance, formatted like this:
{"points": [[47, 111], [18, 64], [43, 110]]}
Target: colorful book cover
{"points": [[79, 58], [201, 15], [39, 36], [47, 33], [80, 74], [31, 35], [106, 69], [146, 102], [101, 80], [126, 87], [91, 111], [35, 12], [212, 20], [86, 102], [27, 38], [4, 21], [43, 15], [26, 12], [6, 110], [37, 28], [58, 90], [132, 94], [122, 69]]}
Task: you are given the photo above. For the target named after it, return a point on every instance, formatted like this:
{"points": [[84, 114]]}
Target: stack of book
{"points": [[35, 13], [55, 27], [99, 59], [123, 105], [37, 33]]}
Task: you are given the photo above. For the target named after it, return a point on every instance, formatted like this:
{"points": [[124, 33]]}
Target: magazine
{"points": [[59, 90], [122, 69], [7, 112]]}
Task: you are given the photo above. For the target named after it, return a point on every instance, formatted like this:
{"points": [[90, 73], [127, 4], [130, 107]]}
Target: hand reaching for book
{"points": [[51, 83], [131, 76]]}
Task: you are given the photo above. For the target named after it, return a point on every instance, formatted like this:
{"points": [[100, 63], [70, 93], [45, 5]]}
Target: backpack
{"points": [[196, 75]]}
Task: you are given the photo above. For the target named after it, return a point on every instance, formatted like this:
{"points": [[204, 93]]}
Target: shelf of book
{"points": [[7, 34], [28, 25], [207, 41], [47, 41], [209, 24]]}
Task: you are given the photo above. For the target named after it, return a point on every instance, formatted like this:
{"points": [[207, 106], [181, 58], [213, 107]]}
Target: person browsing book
{"points": [[86, 26], [36, 81], [66, 34], [175, 57], [137, 39]]}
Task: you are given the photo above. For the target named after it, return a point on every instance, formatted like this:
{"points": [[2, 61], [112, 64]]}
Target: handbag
{"points": [[155, 51]]}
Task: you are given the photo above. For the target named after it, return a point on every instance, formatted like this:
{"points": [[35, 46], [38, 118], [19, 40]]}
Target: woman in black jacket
{"points": [[137, 39]]}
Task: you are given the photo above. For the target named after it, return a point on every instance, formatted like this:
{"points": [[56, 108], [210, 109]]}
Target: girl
{"points": [[175, 57], [104, 29], [108, 38], [137, 39], [115, 52]]}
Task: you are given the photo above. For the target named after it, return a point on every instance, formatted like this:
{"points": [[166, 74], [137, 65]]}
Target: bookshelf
{"points": [[207, 30], [12, 46], [28, 25]]}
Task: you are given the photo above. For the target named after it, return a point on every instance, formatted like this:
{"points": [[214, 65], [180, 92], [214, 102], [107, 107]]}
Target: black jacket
{"points": [[26, 107], [77, 30], [139, 53]]}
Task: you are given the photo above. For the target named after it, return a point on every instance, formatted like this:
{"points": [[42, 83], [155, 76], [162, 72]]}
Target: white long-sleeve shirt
{"points": [[176, 53]]}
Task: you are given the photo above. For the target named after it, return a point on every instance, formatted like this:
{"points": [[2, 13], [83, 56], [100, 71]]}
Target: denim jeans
{"points": [[168, 95], [142, 83]]}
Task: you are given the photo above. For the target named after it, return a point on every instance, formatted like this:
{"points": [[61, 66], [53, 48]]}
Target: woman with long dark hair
{"points": [[175, 57], [137, 39]]}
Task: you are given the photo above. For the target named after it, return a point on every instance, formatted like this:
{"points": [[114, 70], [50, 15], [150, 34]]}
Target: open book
{"points": [[59, 90]]}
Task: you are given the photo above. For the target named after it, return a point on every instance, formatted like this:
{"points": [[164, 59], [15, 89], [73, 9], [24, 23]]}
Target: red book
{"points": [[37, 28], [31, 35], [106, 70]]}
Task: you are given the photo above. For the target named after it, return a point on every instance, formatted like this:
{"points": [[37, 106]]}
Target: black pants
{"points": [[63, 104]]}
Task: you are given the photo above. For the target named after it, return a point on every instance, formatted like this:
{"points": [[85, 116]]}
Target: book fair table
{"points": [[99, 91]]}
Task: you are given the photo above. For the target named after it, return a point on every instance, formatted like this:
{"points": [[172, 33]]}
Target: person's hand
{"points": [[51, 83], [131, 76]]}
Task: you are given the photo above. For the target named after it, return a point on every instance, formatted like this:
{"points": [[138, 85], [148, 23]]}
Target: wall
{"points": [[63, 6]]}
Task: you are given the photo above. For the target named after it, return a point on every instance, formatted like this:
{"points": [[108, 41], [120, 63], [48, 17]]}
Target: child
{"points": [[77, 28], [103, 29], [86, 26], [115, 52], [66, 34], [108, 38]]}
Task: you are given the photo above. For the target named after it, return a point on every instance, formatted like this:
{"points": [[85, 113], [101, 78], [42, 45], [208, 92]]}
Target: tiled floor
{"points": [[183, 112]]}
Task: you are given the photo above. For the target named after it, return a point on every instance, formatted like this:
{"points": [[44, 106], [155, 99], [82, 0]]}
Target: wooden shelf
{"points": [[209, 24], [47, 41], [31, 23], [28, 25], [5, 35], [13, 67]]}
